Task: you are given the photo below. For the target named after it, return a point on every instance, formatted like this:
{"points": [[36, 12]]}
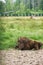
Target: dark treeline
{"points": [[21, 7]]}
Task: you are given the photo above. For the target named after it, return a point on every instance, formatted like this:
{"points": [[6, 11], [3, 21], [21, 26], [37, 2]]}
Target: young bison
{"points": [[27, 44]]}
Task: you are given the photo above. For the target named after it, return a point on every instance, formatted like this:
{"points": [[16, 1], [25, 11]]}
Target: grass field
{"points": [[20, 26]]}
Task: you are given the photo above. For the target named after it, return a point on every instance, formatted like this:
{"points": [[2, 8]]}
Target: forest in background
{"points": [[21, 8]]}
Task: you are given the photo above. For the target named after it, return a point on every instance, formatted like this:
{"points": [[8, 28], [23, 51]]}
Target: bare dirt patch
{"points": [[18, 57]]}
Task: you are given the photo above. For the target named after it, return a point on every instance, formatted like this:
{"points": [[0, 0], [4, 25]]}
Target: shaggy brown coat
{"points": [[27, 44]]}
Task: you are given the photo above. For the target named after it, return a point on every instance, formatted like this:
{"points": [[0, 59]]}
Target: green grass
{"points": [[16, 27]]}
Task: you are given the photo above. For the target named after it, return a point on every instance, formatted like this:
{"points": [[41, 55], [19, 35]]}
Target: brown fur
{"points": [[27, 44]]}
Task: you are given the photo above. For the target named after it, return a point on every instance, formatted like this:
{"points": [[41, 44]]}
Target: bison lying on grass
{"points": [[27, 44]]}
